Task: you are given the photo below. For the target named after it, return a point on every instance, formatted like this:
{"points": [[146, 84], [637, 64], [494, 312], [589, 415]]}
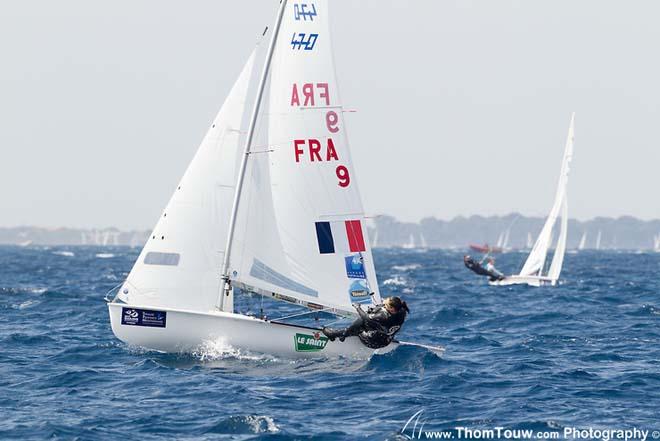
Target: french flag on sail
{"points": [[340, 237]]}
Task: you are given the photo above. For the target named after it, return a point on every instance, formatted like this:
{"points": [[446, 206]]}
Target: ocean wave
{"points": [[245, 424], [395, 281], [64, 253], [218, 349], [408, 267]]}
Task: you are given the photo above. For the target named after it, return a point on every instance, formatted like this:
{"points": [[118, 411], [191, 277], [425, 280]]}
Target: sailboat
{"points": [[583, 241], [283, 220], [410, 244], [505, 241], [598, 238], [422, 241], [530, 242], [532, 272]]}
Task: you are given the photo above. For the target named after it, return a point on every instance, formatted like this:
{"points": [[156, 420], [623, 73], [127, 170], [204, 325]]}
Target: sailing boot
{"points": [[332, 334]]}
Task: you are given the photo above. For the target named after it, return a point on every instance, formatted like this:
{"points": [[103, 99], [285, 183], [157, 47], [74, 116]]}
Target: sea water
{"points": [[581, 355]]}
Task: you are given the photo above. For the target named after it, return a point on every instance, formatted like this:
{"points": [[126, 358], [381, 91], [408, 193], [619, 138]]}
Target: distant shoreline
{"points": [[622, 233]]}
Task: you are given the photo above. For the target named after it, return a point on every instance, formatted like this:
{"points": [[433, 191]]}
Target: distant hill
{"points": [[71, 236], [623, 233], [386, 231]]}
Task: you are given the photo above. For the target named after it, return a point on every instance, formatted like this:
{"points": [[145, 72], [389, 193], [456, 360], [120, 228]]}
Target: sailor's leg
{"points": [[353, 330]]}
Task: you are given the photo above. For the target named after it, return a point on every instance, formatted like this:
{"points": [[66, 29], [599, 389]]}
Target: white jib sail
{"points": [[301, 231], [179, 265], [536, 259], [560, 249]]}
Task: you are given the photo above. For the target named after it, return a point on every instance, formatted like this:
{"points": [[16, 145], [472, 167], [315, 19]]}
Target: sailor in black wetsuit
{"points": [[376, 327], [477, 267]]}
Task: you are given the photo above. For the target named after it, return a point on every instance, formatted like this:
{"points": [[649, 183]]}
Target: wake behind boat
{"points": [[283, 220]]}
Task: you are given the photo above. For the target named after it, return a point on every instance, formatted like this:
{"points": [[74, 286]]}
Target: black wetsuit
{"points": [[476, 267], [376, 327]]}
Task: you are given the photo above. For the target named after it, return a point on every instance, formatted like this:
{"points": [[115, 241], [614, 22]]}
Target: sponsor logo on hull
{"points": [[143, 317], [310, 343]]}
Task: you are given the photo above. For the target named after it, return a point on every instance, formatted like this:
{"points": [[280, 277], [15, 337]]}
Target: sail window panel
{"points": [[157, 258], [263, 272]]}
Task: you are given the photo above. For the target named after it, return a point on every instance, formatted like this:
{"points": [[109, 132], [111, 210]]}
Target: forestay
{"points": [[179, 265], [301, 231], [536, 260]]}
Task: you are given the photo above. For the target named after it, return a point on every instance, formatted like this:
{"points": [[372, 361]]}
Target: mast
{"points": [[246, 154]]}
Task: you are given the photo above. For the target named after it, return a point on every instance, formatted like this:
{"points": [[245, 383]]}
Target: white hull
{"points": [[188, 331], [524, 280]]}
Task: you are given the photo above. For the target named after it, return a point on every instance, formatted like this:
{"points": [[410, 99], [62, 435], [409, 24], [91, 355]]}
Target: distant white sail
{"points": [[598, 238], [303, 232], [178, 267], [532, 270], [536, 260], [583, 241], [505, 242], [422, 240], [530, 242], [500, 240], [411, 242]]}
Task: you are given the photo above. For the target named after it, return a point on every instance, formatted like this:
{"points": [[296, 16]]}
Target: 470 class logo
{"points": [[302, 11]]}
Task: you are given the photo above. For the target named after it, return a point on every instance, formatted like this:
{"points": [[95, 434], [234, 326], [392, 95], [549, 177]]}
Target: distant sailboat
{"points": [[410, 244], [583, 241], [656, 243], [285, 221], [598, 239], [505, 241], [422, 241], [532, 272], [530, 241], [500, 240]]}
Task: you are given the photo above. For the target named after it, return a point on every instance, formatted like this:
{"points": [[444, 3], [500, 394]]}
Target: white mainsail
{"points": [[178, 266], [302, 232], [535, 263], [598, 238]]}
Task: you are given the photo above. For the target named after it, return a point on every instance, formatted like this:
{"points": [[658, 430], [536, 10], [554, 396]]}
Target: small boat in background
{"points": [[532, 272]]}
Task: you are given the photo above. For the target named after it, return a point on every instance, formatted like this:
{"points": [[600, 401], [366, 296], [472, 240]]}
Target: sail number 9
{"points": [[343, 176], [331, 121]]}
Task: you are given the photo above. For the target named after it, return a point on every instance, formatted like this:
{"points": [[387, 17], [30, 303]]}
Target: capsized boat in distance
{"points": [[532, 272], [282, 220]]}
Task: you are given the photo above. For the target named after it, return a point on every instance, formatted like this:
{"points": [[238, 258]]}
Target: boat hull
{"points": [[535, 281], [180, 331], [485, 248]]}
